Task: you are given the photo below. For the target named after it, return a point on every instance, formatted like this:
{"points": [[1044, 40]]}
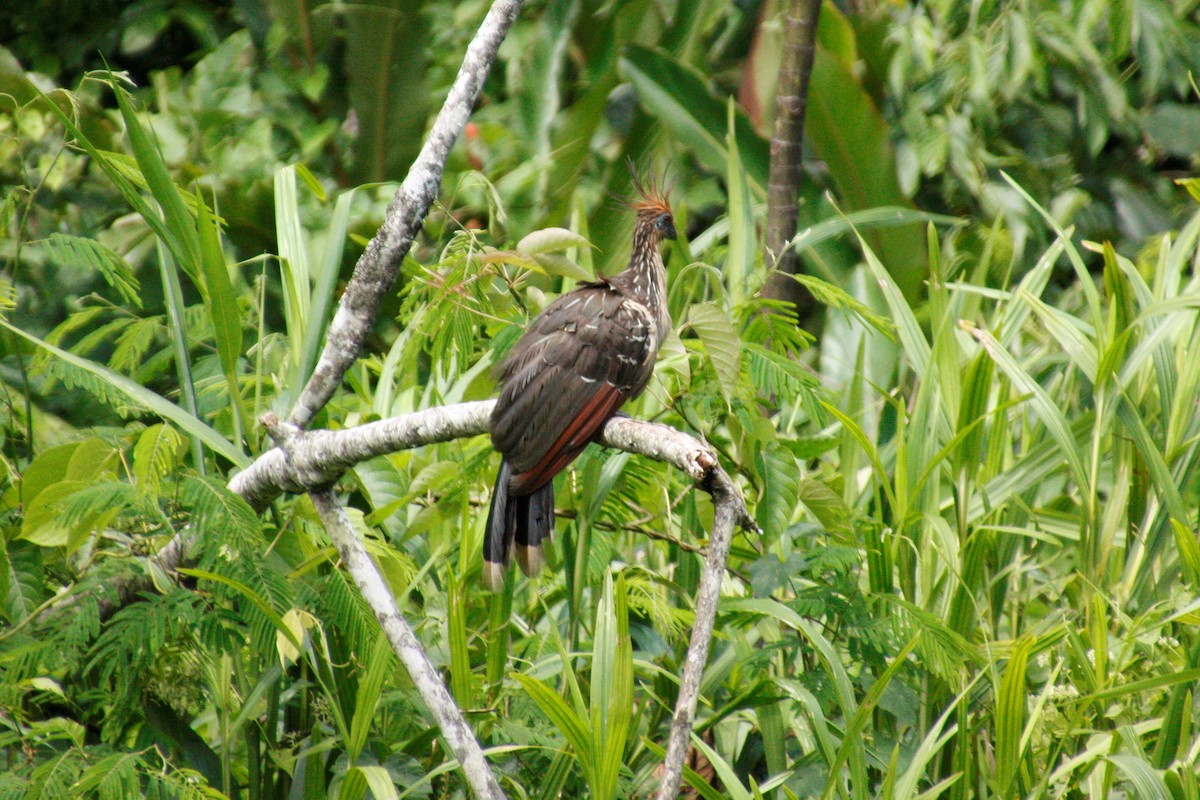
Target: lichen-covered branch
{"points": [[377, 267], [729, 512], [312, 459], [454, 728]]}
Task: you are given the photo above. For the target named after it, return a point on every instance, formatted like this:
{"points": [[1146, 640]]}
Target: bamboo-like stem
{"points": [[787, 150]]}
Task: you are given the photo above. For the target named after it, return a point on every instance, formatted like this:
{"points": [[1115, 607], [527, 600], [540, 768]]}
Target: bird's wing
{"points": [[581, 359]]}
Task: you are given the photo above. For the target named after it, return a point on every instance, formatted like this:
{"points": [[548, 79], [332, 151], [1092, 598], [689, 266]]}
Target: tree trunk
{"points": [[787, 145]]}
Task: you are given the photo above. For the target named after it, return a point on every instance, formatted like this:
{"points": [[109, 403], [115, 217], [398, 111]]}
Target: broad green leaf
{"points": [[1011, 699], [743, 241], [848, 133], [1044, 406], [780, 475], [379, 781], [912, 337], [550, 240], [564, 718], [827, 506], [375, 672], [220, 300], [558, 264], [184, 241], [177, 318], [612, 688], [293, 258], [385, 79], [1147, 782], [297, 621]]}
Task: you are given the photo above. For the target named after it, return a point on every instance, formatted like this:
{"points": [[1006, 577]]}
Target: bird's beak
{"points": [[669, 231]]}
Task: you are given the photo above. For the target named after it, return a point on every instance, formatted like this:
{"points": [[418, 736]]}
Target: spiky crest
{"points": [[653, 196]]}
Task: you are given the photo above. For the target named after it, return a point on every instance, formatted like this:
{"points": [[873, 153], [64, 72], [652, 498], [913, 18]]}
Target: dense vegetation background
{"points": [[977, 480]]}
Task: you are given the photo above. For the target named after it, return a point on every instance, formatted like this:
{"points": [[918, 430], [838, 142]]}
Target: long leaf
{"points": [[184, 240], [679, 96], [143, 397], [221, 303]]}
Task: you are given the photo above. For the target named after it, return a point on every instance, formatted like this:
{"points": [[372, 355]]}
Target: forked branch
{"points": [[313, 460]]}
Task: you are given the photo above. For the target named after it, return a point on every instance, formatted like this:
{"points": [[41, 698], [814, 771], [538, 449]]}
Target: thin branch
{"points": [[454, 728], [787, 150], [376, 269], [729, 512]]}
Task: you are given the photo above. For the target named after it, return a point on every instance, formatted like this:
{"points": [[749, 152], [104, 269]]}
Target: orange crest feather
{"points": [[654, 195]]}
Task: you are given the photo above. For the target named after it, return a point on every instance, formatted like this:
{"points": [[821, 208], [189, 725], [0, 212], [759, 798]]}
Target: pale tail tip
{"points": [[493, 576], [530, 560]]}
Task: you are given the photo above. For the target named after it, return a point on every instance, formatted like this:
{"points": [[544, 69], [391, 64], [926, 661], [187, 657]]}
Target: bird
{"points": [[578, 362]]}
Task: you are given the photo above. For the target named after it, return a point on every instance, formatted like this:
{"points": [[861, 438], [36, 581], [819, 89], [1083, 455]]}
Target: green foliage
{"points": [[977, 485]]}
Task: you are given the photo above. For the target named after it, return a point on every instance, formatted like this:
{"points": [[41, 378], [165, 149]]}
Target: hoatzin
{"points": [[586, 354]]}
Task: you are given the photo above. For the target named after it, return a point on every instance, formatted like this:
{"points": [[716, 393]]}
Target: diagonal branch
{"points": [[377, 267], [455, 730]]}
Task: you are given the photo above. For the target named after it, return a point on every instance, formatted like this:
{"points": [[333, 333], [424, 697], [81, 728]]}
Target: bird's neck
{"points": [[645, 279]]}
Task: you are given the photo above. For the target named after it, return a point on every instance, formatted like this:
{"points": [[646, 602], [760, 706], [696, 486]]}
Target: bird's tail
{"points": [[516, 522]]}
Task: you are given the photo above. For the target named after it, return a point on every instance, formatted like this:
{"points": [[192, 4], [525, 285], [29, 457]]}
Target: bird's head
{"points": [[653, 207]]}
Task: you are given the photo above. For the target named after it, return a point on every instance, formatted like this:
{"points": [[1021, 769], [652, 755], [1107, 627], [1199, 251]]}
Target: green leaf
{"points": [[293, 258], [612, 688], [90, 254], [550, 240], [1010, 714], [848, 133], [370, 688], [379, 781], [561, 715], [836, 297], [385, 77], [679, 96], [155, 455], [1047, 410], [743, 241], [716, 332], [220, 299], [780, 488], [1147, 782], [558, 264], [256, 599], [143, 397], [183, 239]]}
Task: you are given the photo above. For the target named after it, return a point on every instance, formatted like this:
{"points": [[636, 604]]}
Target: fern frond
{"points": [[942, 650], [75, 377], [220, 513], [89, 254], [775, 374], [95, 499], [650, 596], [155, 456], [134, 342], [55, 777]]}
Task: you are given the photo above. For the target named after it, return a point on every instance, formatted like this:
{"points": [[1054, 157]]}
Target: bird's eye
{"points": [[664, 220]]}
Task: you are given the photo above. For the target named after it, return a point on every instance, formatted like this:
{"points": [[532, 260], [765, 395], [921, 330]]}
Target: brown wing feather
{"points": [[582, 358]]}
